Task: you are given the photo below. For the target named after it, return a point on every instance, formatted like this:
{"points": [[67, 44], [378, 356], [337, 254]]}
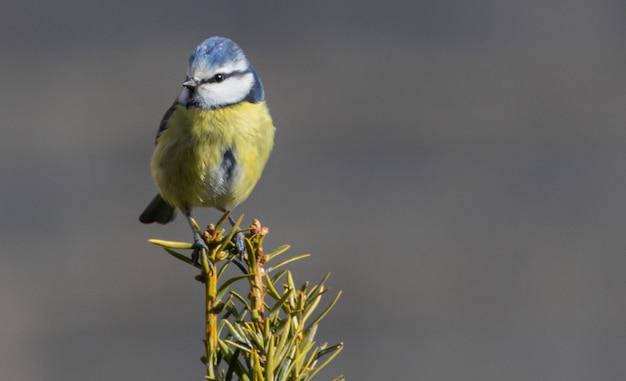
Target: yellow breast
{"points": [[191, 165]]}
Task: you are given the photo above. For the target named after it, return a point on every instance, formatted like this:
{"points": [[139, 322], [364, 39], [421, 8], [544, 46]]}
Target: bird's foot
{"points": [[198, 246], [240, 245]]}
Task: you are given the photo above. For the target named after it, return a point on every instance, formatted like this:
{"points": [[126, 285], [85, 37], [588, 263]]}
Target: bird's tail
{"points": [[158, 211]]}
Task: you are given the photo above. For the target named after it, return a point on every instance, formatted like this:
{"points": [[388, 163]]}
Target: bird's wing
{"points": [[166, 117]]}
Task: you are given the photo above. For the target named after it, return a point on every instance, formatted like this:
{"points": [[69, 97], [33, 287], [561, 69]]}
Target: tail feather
{"points": [[158, 211]]}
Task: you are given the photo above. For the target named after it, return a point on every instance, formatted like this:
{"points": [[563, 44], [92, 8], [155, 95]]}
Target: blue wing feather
{"points": [[163, 125]]}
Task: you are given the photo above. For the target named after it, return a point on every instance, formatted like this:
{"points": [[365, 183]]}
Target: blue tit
{"points": [[214, 141]]}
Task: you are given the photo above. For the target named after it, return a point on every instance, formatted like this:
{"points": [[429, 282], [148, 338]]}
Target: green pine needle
{"points": [[251, 337]]}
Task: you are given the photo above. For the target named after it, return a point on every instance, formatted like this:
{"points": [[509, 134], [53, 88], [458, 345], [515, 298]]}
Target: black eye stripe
{"points": [[221, 77], [217, 78]]}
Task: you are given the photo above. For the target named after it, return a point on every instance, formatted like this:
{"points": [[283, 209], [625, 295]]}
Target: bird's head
{"points": [[219, 75]]}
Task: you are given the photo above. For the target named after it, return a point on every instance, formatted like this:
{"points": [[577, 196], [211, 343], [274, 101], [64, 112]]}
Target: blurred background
{"points": [[457, 166]]}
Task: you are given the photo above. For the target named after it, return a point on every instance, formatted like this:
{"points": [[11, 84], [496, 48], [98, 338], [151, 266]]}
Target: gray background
{"points": [[457, 166]]}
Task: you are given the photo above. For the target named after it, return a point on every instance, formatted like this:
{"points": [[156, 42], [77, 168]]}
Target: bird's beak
{"points": [[190, 84]]}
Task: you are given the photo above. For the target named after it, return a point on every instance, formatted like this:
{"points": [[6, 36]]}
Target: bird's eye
{"points": [[217, 78]]}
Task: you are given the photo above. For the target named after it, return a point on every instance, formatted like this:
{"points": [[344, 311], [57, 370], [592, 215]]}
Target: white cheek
{"points": [[232, 90]]}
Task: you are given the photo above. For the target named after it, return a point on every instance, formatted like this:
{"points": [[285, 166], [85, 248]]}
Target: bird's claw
{"points": [[198, 246], [240, 245]]}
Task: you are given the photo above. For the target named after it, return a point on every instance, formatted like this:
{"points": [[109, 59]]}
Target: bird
{"points": [[213, 142]]}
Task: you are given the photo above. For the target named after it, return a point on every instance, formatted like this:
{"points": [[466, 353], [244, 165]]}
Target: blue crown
{"points": [[215, 52]]}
